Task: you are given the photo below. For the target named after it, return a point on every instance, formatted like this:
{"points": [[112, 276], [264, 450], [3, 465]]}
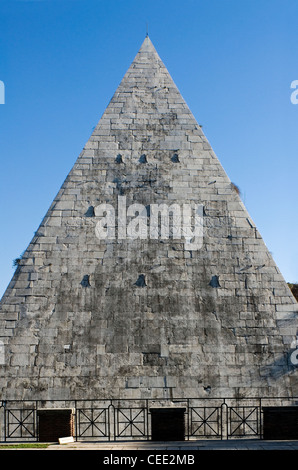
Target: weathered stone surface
{"points": [[85, 317]]}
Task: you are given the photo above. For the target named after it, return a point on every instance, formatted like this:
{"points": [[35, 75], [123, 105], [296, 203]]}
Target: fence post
{"points": [[76, 420], [2, 420], [261, 419], [111, 411], [36, 422], [224, 432], [147, 418], [187, 418]]}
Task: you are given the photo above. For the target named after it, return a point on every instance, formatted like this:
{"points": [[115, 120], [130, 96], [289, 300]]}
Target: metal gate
{"points": [[129, 419]]}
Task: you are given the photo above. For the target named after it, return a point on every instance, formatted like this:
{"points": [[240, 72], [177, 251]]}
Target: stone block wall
{"points": [[85, 317]]}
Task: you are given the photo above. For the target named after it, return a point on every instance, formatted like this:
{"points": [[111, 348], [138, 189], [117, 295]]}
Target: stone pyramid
{"points": [[147, 277]]}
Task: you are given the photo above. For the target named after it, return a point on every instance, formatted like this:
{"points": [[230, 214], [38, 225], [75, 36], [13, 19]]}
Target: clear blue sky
{"points": [[232, 60]]}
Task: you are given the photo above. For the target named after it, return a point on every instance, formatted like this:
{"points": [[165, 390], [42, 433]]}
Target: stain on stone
{"points": [[153, 359], [153, 348], [119, 159], [85, 281], [141, 282], [248, 266], [175, 158], [215, 314], [260, 267], [90, 212], [119, 183], [235, 188], [249, 222], [143, 159], [214, 282]]}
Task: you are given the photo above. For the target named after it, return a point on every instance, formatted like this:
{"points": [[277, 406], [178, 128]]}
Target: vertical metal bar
{"points": [[115, 418], [35, 423], [147, 418], [222, 406], [109, 422], [20, 421], [106, 422], [187, 418], [5, 423], [258, 420], [112, 408], [130, 421], [76, 420], [4, 420], [227, 420], [261, 419], [221, 419]]}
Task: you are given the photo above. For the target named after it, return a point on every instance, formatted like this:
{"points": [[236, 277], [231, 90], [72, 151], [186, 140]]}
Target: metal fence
{"points": [[130, 419]]}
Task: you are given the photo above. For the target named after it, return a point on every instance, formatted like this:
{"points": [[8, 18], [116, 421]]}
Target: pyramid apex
{"points": [[147, 45]]}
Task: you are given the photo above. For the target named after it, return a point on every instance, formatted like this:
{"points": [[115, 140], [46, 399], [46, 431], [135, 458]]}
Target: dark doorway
{"points": [[280, 422], [168, 424], [53, 424]]}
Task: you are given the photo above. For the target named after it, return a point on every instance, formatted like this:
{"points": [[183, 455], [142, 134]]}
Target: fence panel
{"points": [[129, 419]]}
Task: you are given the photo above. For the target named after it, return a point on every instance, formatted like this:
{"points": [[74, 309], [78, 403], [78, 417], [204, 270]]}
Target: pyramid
{"points": [[147, 277]]}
